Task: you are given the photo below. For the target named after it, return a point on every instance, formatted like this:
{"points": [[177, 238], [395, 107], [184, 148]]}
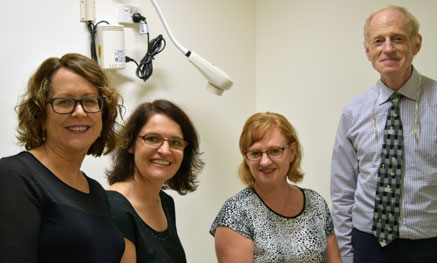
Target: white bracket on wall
{"points": [[87, 10]]}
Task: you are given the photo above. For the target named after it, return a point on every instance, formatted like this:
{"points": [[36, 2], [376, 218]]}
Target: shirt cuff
{"points": [[349, 259]]}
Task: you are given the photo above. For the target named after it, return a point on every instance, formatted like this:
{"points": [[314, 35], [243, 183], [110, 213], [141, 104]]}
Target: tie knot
{"points": [[395, 98]]}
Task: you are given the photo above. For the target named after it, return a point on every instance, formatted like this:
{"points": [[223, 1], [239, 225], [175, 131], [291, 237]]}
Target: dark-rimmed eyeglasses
{"points": [[273, 153], [66, 105], [157, 141]]}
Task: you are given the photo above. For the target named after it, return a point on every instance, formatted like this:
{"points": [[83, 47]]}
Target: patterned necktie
{"points": [[388, 189]]}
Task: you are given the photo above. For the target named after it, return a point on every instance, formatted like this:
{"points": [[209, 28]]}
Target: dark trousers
{"points": [[367, 250]]}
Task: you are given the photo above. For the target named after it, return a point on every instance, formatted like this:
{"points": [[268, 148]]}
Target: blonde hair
{"points": [[254, 129]]}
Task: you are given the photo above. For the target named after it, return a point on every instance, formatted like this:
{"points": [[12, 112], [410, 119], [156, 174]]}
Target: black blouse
{"points": [[151, 246], [44, 220]]}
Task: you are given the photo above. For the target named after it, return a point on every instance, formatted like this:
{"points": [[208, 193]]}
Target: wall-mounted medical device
{"points": [[107, 46], [110, 46], [218, 80]]}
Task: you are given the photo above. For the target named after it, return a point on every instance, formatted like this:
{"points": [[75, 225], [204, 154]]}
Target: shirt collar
{"points": [[409, 89]]}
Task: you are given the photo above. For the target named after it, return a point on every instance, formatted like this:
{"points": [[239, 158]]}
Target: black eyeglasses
{"points": [[157, 141], [274, 153], [66, 105]]}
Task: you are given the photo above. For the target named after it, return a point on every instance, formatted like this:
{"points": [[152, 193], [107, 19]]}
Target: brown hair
{"points": [[254, 130], [124, 163], [32, 108]]}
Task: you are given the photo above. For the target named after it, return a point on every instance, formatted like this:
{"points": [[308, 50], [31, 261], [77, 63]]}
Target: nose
{"points": [[388, 46], [78, 110], [265, 160], [164, 148]]}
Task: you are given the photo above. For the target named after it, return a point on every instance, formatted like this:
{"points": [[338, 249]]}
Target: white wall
{"points": [[222, 31], [301, 58], [310, 62]]}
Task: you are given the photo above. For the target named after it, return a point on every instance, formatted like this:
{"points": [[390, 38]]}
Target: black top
{"points": [[44, 220], [151, 246]]}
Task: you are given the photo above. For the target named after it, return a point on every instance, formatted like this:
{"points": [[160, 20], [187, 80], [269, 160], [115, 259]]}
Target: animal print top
{"points": [[276, 238]]}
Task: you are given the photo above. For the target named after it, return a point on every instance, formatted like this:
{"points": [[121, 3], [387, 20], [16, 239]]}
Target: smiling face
{"points": [[71, 133], [160, 163], [268, 171], [390, 47]]}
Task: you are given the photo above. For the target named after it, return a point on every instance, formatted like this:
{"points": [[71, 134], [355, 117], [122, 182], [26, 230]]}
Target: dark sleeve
{"points": [[20, 215], [122, 215]]}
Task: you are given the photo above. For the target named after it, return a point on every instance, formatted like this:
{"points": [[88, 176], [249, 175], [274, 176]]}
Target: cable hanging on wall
{"points": [[154, 47], [93, 31]]}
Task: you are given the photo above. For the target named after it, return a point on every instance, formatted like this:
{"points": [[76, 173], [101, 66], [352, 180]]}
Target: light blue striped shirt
{"points": [[356, 158]]}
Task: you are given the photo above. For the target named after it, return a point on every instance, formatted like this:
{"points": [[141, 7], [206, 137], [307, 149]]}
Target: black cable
{"points": [[128, 59], [145, 67], [154, 47], [93, 31]]}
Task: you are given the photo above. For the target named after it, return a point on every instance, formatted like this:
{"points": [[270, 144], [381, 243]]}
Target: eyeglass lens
{"points": [[272, 154], [90, 104], [154, 140]]}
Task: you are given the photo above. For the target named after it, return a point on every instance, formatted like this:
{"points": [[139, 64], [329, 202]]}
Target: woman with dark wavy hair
{"points": [[159, 149], [50, 210]]}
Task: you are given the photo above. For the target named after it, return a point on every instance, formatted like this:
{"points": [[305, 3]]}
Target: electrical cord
{"points": [[145, 67], [154, 47], [93, 31]]}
